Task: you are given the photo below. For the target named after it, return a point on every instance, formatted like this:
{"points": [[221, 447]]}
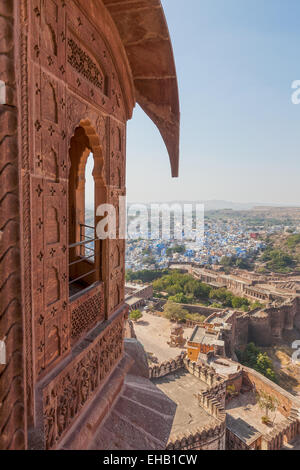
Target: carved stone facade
{"points": [[12, 406], [70, 82], [87, 312], [69, 93], [77, 384], [73, 85]]}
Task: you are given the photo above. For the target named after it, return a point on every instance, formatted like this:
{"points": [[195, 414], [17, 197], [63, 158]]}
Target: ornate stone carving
{"points": [[117, 157], [12, 420], [76, 385], [51, 107], [84, 65], [86, 312]]}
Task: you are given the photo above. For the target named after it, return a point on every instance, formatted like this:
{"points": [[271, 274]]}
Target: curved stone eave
{"points": [[170, 132], [144, 32]]}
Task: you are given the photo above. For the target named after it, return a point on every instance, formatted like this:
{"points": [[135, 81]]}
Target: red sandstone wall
{"points": [[12, 406], [72, 73], [259, 382]]}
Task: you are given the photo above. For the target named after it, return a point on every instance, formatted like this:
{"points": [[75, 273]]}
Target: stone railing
{"points": [[166, 367]]}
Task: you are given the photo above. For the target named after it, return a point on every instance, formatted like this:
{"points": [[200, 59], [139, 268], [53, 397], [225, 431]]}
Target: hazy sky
{"points": [[240, 133]]}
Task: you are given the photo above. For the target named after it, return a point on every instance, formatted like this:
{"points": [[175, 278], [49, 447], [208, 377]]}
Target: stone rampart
{"points": [[209, 438], [212, 400], [166, 367]]}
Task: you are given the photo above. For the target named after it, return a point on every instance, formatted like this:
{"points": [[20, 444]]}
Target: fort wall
{"points": [[264, 327], [260, 331], [213, 400], [240, 331], [166, 367], [212, 438], [288, 405], [257, 381]]}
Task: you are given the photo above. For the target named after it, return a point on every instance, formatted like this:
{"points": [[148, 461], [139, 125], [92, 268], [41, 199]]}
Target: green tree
{"points": [[145, 275], [254, 358], [179, 298], [196, 317], [239, 302], [228, 261], [293, 241], [222, 295], [278, 261], [178, 283], [174, 311], [267, 402], [216, 305], [135, 315], [243, 263], [256, 305]]}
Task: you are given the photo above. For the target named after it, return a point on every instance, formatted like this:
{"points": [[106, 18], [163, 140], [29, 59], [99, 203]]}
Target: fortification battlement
{"points": [[259, 319], [166, 367], [285, 431], [205, 373], [210, 400], [199, 438]]}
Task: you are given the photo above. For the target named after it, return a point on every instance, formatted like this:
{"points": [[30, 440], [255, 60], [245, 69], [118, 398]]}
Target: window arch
{"points": [[86, 191]]}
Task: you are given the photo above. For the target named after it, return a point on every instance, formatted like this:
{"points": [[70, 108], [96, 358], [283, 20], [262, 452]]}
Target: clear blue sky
{"points": [[240, 133]]}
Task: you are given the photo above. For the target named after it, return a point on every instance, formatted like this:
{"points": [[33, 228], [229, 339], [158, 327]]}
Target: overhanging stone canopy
{"points": [[144, 32]]}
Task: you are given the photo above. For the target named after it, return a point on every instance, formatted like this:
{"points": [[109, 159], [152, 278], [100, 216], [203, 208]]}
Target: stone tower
{"points": [[71, 73]]}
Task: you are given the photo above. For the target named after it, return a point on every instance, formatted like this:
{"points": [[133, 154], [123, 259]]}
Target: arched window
{"points": [[88, 230], [86, 191]]}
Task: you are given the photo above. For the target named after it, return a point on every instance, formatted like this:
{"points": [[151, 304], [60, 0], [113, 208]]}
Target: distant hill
{"points": [[217, 205]]}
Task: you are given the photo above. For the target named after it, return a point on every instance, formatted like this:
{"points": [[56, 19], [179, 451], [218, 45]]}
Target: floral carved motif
{"points": [[77, 384]]}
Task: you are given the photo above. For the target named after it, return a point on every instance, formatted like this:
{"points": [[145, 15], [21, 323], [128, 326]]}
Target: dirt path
{"points": [[154, 333]]}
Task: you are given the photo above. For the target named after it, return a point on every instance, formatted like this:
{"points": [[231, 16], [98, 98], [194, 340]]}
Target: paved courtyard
{"points": [[154, 333], [182, 388], [244, 417]]}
